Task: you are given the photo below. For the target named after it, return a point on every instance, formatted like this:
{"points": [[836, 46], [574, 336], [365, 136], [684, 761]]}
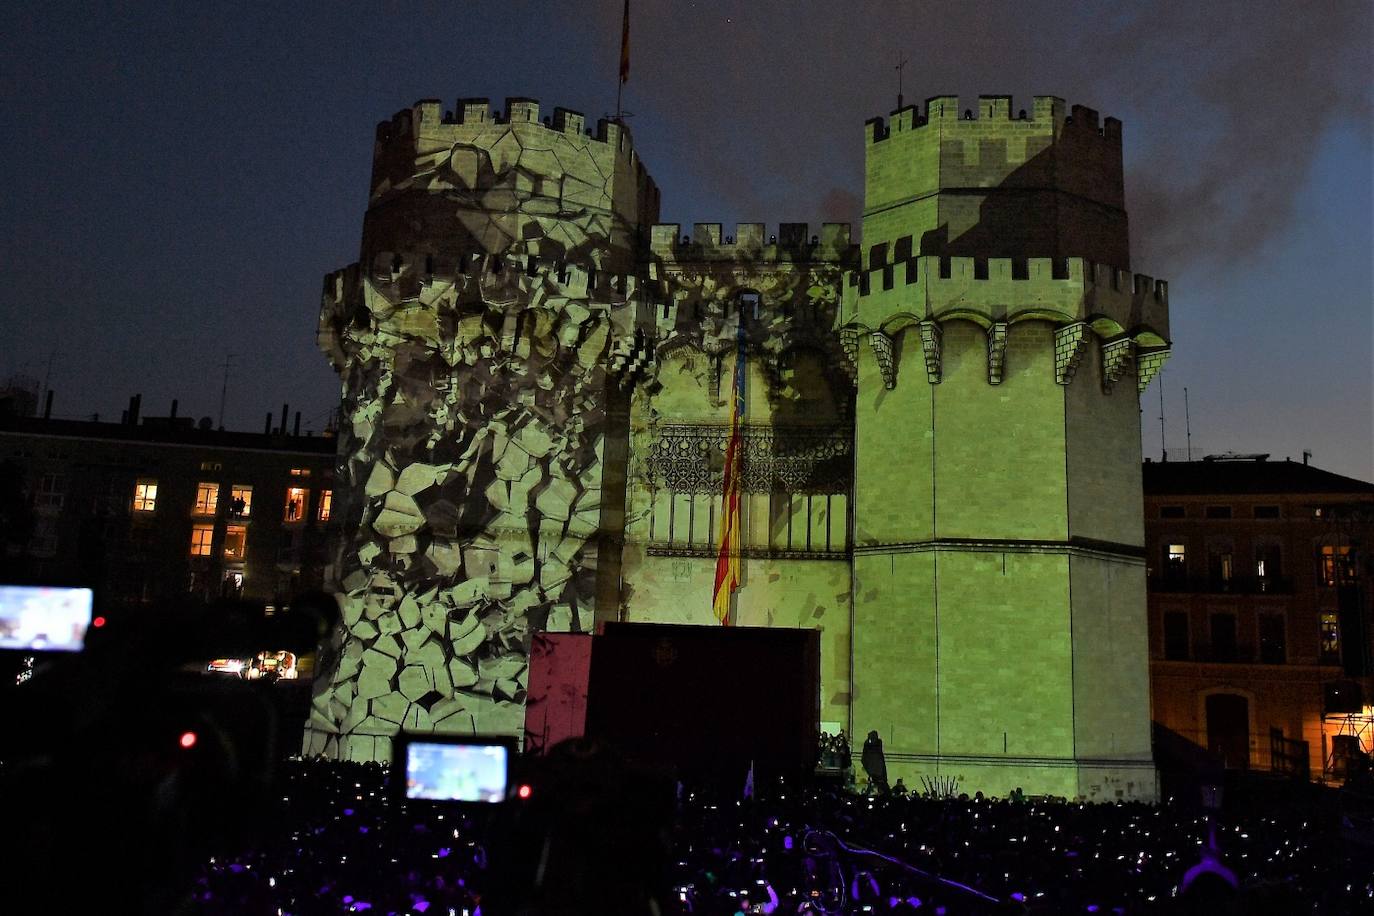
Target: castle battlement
{"points": [[1068, 289], [994, 113], [408, 276], [751, 242], [429, 117]]}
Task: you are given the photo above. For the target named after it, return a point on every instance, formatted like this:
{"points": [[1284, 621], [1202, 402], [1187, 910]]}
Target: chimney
{"points": [[47, 406], [283, 418], [174, 408], [267, 427], [1306, 453], [136, 414], [297, 430]]}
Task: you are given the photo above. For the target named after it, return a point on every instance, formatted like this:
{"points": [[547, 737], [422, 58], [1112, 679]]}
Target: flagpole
{"points": [[624, 63]]}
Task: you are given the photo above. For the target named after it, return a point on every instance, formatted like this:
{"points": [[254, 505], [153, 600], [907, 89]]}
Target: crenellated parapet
{"points": [[1126, 314], [784, 286], [1046, 116], [751, 243], [511, 162], [993, 180]]}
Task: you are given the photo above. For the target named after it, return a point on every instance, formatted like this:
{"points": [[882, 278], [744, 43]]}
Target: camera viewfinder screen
{"points": [[43, 618], [456, 772]]}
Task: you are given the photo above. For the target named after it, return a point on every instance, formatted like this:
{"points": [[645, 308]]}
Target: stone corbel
{"points": [[849, 343], [1069, 342], [930, 347], [632, 359], [882, 349], [997, 351], [1148, 365], [1116, 357]]}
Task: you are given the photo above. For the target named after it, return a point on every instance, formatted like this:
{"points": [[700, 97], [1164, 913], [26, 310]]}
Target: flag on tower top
{"points": [[727, 556]]}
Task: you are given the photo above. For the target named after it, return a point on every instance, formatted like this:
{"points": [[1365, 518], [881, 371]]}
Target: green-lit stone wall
{"points": [[999, 612], [941, 465]]}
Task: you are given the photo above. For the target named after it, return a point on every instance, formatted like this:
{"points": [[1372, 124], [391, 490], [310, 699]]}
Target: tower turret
{"points": [[984, 182], [998, 572], [474, 338]]}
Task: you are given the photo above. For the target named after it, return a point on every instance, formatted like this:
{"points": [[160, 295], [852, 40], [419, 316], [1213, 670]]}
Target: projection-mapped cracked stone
{"points": [[472, 341]]}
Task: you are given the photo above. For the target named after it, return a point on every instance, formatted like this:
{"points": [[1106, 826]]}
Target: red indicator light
{"points": [[98, 622], [188, 740], [523, 791]]}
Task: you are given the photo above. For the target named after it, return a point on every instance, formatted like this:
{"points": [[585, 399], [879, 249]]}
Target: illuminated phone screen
{"points": [[44, 618], [456, 772]]}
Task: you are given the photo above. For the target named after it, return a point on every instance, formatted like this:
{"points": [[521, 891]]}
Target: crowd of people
{"points": [[338, 844]]}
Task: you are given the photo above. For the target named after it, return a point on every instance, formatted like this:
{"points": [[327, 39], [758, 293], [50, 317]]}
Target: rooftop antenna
{"points": [[901, 62], [1187, 423], [224, 389], [1163, 452], [47, 376]]}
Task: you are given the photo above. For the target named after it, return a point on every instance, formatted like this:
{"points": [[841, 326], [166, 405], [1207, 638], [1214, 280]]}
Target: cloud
{"points": [[1224, 102]]}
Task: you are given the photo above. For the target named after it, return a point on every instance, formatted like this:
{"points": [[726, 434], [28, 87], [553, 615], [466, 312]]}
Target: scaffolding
{"points": [[1351, 742]]}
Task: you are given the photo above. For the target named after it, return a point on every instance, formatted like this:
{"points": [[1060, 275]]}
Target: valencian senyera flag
{"points": [[727, 557], [625, 44]]}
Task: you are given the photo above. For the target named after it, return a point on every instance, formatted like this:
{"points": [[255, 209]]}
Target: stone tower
{"points": [[477, 340], [998, 565]]}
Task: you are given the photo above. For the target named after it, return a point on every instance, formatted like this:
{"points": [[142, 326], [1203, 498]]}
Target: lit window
{"points": [[145, 496], [201, 536], [326, 504], [235, 542], [1268, 561], [296, 498], [207, 498], [1331, 638], [240, 500], [1176, 561], [1337, 565], [300, 472]]}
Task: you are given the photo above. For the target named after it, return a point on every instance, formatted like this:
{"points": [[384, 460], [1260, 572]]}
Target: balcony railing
{"points": [[1236, 585]]}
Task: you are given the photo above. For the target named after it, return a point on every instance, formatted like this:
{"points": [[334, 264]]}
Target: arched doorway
{"points": [[1228, 728]]}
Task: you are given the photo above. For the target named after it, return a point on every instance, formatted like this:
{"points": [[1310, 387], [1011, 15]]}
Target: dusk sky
{"points": [[179, 178]]}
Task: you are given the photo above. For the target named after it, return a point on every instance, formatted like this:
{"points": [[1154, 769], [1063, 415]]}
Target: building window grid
{"points": [[326, 504], [52, 491], [297, 499], [1176, 561], [1273, 639], [207, 498], [202, 539], [145, 496], [1176, 635], [1330, 638], [235, 542], [1336, 565], [241, 500]]}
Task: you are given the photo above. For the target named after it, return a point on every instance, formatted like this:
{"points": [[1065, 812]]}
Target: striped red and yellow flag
{"points": [[727, 556]]}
